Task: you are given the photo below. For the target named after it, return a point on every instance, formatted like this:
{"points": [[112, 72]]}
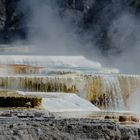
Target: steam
{"points": [[48, 32], [55, 31], [124, 34]]}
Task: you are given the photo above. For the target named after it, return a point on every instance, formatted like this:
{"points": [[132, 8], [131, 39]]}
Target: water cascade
{"points": [[105, 91], [76, 75], [112, 91]]}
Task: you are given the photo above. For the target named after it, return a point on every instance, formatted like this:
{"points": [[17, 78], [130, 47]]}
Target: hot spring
{"points": [[105, 88]]}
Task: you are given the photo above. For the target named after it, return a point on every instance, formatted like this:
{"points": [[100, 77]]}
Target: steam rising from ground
{"points": [[49, 33], [125, 36], [52, 34]]}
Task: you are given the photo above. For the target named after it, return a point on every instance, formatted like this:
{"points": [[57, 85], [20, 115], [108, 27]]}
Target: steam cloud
{"points": [[49, 33], [125, 36], [52, 34]]}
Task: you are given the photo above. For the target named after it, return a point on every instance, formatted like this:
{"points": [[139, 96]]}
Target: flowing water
{"points": [[105, 90]]}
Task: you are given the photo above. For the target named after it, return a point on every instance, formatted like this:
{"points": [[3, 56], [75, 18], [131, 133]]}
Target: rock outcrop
{"points": [[37, 125], [11, 21]]}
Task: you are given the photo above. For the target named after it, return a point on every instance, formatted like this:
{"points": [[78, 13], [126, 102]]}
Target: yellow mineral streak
{"points": [[20, 69], [103, 90]]}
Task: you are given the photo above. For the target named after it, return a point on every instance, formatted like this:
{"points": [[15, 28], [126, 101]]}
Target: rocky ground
{"points": [[40, 125]]}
